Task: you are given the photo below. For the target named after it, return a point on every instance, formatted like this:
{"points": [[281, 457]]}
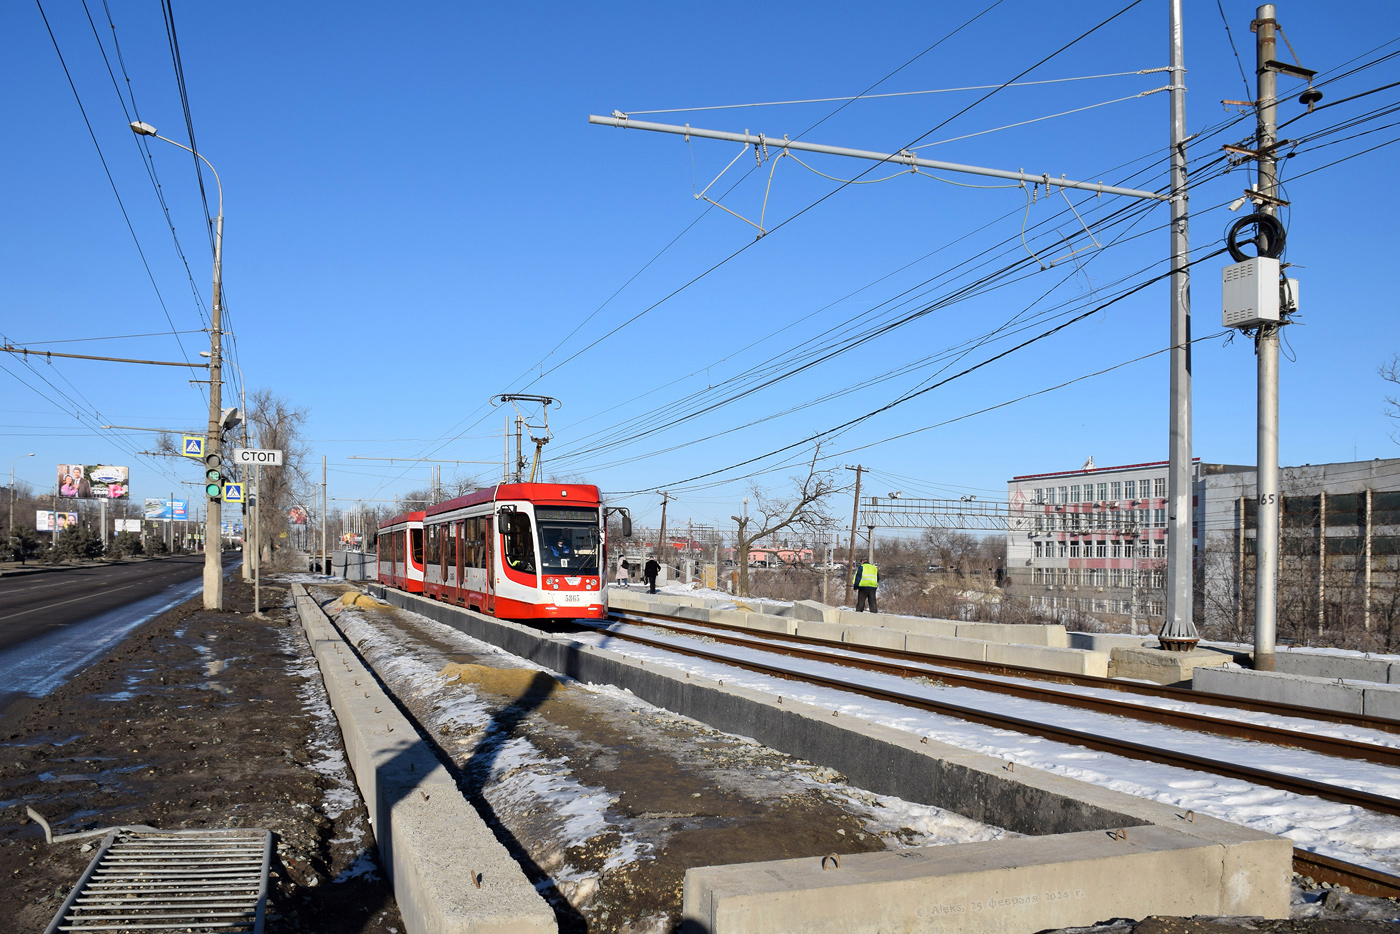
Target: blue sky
{"points": [[419, 216]]}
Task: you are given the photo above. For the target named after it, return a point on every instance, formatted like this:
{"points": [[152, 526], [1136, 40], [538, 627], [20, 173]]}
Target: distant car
{"points": [[934, 567]]}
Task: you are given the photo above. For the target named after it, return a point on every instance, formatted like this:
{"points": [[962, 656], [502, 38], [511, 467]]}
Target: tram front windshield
{"points": [[569, 539]]}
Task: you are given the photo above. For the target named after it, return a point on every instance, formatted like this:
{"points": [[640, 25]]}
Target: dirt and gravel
{"points": [[204, 719], [198, 719]]}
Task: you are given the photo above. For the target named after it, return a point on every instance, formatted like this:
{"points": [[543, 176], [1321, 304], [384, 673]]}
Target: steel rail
{"points": [[1139, 751], [1332, 746], [1186, 695]]}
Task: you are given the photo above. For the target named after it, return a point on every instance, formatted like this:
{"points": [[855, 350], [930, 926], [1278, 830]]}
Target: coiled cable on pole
{"points": [[1268, 239]]}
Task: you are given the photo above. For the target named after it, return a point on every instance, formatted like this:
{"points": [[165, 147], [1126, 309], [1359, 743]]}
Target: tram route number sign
{"points": [[266, 457]]}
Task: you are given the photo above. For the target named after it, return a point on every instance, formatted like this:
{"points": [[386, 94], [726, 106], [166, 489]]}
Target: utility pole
{"points": [[855, 518], [1266, 343], [519, 454], [1179, 631], [325, 504], [661, 538]]}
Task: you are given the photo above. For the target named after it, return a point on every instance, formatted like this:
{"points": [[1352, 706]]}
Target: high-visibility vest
{"points": [[869, 576]]}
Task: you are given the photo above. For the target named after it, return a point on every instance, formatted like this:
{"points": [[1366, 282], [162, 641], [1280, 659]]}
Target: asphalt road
{"points": [[35, 604]]}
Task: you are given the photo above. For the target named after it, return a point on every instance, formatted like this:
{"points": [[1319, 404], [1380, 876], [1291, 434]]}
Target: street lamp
{"points": [[213, 557], [12, 493]]}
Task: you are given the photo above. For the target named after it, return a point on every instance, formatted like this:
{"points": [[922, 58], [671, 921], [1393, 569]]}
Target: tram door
{"points": [[460, 558], [490, 543]]}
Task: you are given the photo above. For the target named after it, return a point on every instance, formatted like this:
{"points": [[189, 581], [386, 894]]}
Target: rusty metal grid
{"points": [[214, 881]]}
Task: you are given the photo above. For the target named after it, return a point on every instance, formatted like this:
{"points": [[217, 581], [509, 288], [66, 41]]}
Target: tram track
{"points": [[908, 665], [1360, 879]]}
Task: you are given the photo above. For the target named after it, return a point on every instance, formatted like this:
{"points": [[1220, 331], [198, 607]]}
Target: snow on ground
{"points": [[1338, 830], [522, 779], [328, 755]]}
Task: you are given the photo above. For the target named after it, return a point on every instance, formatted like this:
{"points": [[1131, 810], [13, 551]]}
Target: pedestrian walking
{"points": [[623, 568], [866, 580], [649, 574]]}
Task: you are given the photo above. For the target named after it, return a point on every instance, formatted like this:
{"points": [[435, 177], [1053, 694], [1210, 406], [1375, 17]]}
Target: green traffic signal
{"points": [[214, 491]]}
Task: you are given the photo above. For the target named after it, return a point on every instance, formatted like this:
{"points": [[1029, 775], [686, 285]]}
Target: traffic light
{"points": [[213, 478]]}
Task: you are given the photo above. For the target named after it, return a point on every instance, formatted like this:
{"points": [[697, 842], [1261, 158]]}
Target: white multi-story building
{"points": [[1091, 541]]}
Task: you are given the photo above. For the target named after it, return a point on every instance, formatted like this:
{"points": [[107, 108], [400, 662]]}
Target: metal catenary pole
{"points": [[1179, 630], [661, 536], [851, 551], [257, 506], [1266, 346], [213, 542], [325, 506]]}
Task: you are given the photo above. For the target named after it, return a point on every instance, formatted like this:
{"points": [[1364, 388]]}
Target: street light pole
{"points": [[11, 530], [213, 541]]}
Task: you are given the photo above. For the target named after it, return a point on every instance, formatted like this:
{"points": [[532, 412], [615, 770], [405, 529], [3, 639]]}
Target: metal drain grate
{"points": [[180, 881]]}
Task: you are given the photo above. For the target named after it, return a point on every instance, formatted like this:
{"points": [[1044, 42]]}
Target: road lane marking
{"points": [[52, 605]]}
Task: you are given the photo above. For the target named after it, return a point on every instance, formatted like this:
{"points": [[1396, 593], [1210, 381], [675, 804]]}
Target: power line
{"points": [[111, 181]]}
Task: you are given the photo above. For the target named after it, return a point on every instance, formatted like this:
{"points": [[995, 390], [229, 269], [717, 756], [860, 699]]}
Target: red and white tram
{"points": [[519, 551], [401, 552]]}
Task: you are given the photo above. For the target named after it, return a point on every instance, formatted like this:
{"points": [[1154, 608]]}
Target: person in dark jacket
{"points": [[866, 580], [649, 574]]}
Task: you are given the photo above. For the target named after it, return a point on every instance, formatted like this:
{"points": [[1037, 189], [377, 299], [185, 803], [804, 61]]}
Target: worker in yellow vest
{"points": [[866, 580]]}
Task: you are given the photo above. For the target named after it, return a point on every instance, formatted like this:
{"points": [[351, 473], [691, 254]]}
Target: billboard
{"points": [[128, 525], [46, 521], [166, 509], [296, 515], [92, 481]]}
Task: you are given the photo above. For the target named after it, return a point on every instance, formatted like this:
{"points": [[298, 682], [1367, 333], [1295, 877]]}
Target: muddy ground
{"points": [[198, 719]]}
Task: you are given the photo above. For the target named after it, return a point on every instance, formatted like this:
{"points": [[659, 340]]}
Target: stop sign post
{"points": [[257, 458]]}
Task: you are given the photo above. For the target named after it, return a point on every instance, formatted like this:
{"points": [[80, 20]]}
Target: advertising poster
{"points": [[296, 515], [92, 481], [162, 509], [128, 525], [46, 521]]}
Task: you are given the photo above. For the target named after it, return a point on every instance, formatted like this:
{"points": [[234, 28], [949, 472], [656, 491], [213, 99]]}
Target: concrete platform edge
{"points": [[431, 840]]}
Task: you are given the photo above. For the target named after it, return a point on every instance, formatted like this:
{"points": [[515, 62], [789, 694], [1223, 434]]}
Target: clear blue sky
{"points": [[419, 216]]}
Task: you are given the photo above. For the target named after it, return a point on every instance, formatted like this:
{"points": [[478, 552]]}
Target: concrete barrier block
{"points": [[927, 627], [1050, 636], [1381, 700], [429, 837], [697, 613], [1320, 665], [1000, 887], [625, 599], [1107, 641], [1280, 688], [731, 617], [876, 638], [831, 632], [1046, 658], [766, 623], [812, 611], [946, 646]]}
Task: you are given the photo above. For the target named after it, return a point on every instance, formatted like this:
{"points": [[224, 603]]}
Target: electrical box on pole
{"points": [[1252, 294]]}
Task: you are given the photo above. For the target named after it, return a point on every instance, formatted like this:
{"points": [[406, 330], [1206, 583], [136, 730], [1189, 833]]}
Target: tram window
{"points": [[471, 559], [416, 536], [451, 545], [479, 542], [520, 544], [431, 549], [569, 539]]}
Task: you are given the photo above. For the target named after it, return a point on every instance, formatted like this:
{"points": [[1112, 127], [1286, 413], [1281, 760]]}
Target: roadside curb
{"points": [[449, 872]]}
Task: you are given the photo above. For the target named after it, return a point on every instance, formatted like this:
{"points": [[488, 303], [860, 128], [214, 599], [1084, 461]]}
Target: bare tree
{"points": [[275, 423], [1390, 372], [804, 509]]}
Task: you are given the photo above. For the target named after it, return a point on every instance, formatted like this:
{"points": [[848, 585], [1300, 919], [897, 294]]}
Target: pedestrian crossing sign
{"points": [[233, 492], [193, 446]]}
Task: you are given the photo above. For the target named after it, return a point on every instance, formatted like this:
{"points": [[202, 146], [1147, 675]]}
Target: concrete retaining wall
{"points": [[1231, 869], [430, 839], [1356, 697], [934, 637], [1000, 887], [1346, 667]]}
